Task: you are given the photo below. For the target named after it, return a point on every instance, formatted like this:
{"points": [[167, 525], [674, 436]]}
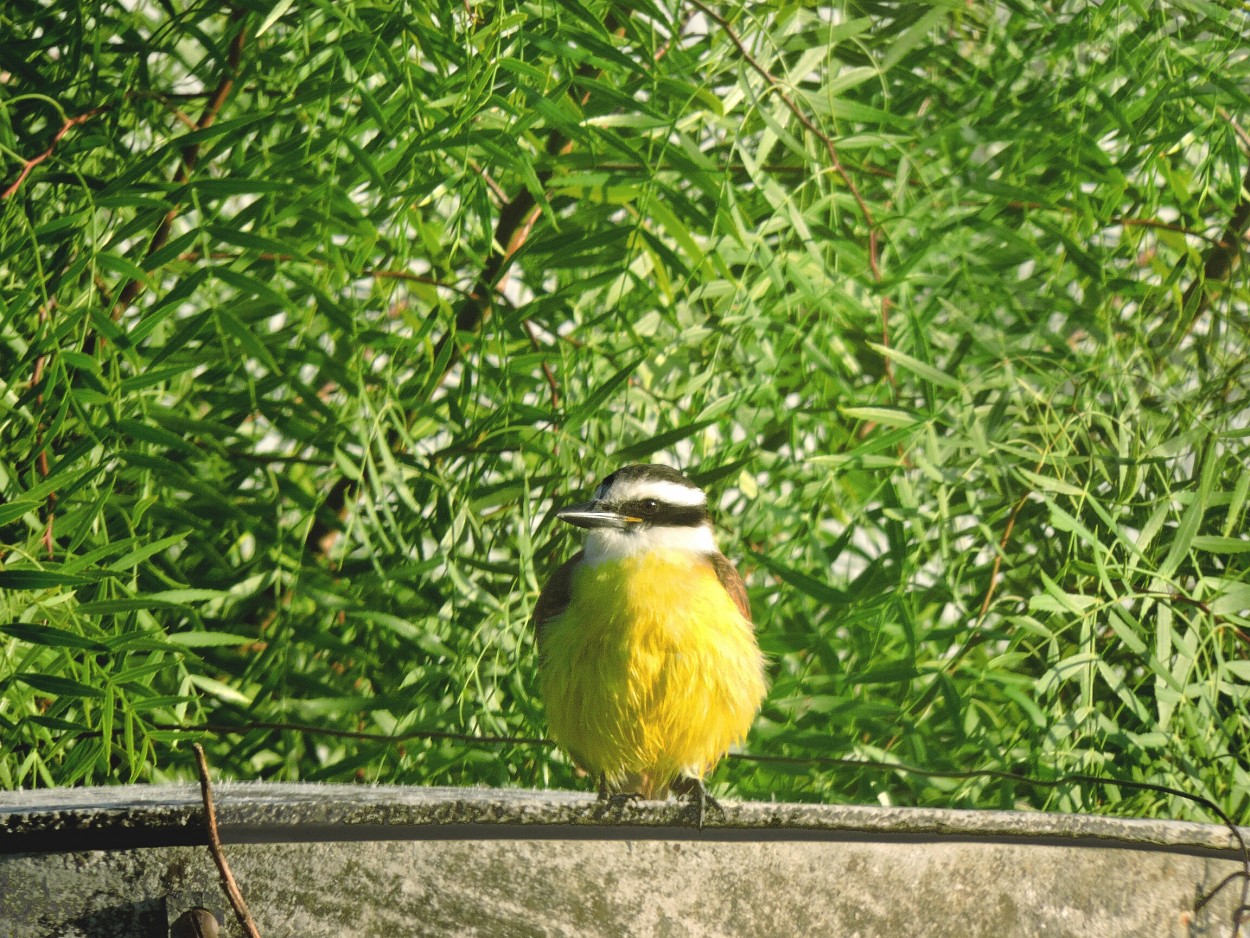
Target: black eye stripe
{"points": [[659, 513]]}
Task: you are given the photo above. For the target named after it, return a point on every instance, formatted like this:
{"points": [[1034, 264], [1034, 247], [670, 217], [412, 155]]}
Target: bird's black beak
{"points": [[595, 515]]}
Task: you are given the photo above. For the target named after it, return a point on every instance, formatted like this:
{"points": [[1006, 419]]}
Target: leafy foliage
{"points": [[312, 313]]}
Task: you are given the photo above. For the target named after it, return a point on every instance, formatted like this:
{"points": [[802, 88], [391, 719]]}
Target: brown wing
{"points": [[727, 573], [554, 598]]}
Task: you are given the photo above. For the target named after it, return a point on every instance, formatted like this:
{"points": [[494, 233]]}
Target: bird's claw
{"points": [[700, 801]]}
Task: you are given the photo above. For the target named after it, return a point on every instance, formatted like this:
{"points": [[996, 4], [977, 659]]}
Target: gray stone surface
{"points": [[337, 860]]}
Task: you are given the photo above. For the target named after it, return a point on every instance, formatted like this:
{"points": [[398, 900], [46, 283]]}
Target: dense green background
{"points": [[313, 311]]}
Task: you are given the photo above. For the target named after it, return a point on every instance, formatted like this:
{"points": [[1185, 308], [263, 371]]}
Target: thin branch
{"points": [[1237, 128], [1166, 226], [512, 229], [808, 124], [1221, 259], [998, 555], [233, 893], [189, 158], [70, 123], [419, 278], [41, 461], [874, 232], [1002, 543], [223, 729], [786, 169], [551, 378], [375, 273], [494, 187]]}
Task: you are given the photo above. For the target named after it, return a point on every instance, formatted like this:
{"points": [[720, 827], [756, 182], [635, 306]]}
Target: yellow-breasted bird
{"points": [[647, 659]]}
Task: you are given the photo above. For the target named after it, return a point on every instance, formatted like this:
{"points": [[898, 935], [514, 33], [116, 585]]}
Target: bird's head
{"points": [[642, 508]]}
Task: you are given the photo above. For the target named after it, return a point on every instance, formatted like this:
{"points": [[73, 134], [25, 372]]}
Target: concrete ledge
{"points": [[330, 859]]}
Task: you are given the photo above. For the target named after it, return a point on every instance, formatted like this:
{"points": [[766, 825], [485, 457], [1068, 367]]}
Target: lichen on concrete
{"points": [[328, 860]]}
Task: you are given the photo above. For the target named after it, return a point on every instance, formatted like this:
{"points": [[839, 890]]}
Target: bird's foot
{"points": [[616, 800], [619, 799], [699, 799]]}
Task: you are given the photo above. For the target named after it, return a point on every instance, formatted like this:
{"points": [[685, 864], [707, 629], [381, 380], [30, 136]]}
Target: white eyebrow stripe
{"points": [[668, 493]]}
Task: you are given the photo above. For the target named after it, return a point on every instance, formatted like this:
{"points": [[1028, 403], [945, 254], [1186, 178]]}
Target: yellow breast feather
{"points": [[651, 672]]}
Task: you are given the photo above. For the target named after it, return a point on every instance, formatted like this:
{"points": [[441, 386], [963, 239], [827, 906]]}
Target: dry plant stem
{"points": [[233, 893]]}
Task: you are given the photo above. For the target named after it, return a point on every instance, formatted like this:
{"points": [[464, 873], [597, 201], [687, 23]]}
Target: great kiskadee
{"points": [[647, 659]]}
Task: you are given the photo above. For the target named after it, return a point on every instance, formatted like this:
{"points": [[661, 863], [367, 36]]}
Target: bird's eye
{"points": [[649, 505]]}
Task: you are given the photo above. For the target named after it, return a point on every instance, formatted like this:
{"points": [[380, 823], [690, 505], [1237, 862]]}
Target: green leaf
{"points": [[915, 366], [201, 639], [275, 13], [219, 689], [1191, 519], [140, 554], [58, 686], [885, 416], [1220, 545], [40, 579], [51, 636], [803, 582]]}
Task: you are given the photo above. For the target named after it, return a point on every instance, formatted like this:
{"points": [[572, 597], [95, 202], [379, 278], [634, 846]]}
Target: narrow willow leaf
{"points": [[58, 686], [885, 416], [206, 639], [920, 369], [40, 579], [51, 636]]}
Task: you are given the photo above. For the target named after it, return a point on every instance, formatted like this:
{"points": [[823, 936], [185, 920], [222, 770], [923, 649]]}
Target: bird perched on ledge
{"points": [[647, 659]]}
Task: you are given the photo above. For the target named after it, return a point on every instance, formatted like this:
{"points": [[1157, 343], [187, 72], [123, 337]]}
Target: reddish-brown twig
{"points": [[1002, 542], [233, 893], [70, 122], [998, 555]]}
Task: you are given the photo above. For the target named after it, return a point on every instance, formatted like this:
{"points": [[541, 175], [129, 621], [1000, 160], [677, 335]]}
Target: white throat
{"points": [[605, 544]]}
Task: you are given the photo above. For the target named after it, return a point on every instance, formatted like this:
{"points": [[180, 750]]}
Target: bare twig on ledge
{"points": [[233, 893]]}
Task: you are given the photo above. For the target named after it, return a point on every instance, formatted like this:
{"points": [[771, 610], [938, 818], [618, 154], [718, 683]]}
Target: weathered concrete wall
{"points": [[340, 860]]}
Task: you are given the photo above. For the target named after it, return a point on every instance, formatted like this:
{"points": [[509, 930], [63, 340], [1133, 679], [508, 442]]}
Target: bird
{"points": [[648, 665]]}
